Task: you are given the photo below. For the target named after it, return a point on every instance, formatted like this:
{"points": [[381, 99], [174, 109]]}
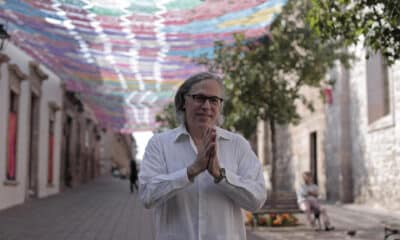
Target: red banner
{"points": [[50, 161], [12, 145], [328, 95]]}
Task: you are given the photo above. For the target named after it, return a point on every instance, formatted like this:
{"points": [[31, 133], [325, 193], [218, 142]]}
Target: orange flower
{"points": [[278, 220], [285, 216], [249, 217]]}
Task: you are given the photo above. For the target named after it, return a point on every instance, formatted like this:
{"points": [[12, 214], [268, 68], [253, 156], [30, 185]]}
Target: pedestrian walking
{"points": [[198, 177], [307, 197], [133, 177]]}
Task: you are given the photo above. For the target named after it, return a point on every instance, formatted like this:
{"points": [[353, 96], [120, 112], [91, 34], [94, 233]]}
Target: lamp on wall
{"points": [[3, 36]]}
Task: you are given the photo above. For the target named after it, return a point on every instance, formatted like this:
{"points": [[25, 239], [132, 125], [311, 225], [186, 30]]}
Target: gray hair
{"points": [[185, 88]]}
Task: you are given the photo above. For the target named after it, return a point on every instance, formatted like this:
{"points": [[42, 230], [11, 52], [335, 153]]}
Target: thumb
{"points": [[210, 161]]}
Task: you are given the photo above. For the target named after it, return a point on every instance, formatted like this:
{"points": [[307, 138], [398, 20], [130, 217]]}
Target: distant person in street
{"points": [[198, 177], [307, 197], [133, 177]]}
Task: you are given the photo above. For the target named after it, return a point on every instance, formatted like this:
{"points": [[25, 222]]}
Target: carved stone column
{"points": [[36, 78]]}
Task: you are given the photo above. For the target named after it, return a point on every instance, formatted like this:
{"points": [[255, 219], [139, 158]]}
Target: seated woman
{"points": [[307, 198]]}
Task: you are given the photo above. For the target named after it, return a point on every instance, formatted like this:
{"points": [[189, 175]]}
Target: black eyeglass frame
{"points": [[201, 98]]}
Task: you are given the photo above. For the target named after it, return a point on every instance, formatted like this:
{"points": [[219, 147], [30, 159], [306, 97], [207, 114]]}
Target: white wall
{"points": [[9, 194], [15, 194], [51, 92]]}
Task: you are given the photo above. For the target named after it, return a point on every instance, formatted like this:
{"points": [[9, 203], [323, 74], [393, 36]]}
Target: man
{"points": [[198, 177], [133, 176], [307, 198]]}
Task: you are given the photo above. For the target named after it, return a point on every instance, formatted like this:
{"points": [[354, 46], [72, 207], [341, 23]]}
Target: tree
{"points": [[378, 21], [263, 77], [167, 118]]}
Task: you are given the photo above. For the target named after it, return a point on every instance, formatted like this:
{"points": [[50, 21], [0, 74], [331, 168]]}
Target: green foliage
{"points": [[243, 122], [378, 21], [263, 78], [167, 118]]}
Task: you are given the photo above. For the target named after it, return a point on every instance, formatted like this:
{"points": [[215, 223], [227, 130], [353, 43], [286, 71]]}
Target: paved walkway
{"points": [[351, 221], [101, 210], [105, 210]]}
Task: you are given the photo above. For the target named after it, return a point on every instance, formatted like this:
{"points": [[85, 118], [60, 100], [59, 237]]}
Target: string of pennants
{"points": [[126, 58]]}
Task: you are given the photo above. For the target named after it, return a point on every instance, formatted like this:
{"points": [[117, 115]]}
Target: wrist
{"points": [[220, 176], [217, 173], [193, 171]]}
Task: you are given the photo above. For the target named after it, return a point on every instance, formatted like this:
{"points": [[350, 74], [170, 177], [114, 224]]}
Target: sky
{"points": [[141, 138]]}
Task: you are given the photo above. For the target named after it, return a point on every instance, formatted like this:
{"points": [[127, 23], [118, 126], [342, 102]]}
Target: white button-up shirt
{"points": [[200, 210]]}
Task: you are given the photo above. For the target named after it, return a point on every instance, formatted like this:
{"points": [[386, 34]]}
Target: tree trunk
{"points": [[273, 155]]}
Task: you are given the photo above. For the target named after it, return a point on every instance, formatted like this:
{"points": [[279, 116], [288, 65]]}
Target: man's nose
{"points": [[206, 103]]}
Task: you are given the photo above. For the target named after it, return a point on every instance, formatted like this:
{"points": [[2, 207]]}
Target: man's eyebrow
{"points": [[204, 95]]}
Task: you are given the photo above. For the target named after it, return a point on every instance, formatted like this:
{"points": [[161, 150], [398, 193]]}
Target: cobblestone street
{"points": [[105, 210]]}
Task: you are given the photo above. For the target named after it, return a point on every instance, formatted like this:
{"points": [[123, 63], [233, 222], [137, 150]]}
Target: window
{"points": [[78, 148], [87, 137], [378, 96], [15, 78], [12, 136], [314, 156], [50, 164]]}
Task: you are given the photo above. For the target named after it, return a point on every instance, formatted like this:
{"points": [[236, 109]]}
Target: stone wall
{"points": [[332, 145], [338, 144], [293, 145], [357, 156], [375, 151], [361, 157]]}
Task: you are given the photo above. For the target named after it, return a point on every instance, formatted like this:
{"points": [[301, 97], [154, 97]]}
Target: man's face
{"points": [[307, 178], [201, 113]]}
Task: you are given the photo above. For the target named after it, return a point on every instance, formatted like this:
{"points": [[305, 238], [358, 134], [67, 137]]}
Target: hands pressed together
{"points": [[207, 158]]}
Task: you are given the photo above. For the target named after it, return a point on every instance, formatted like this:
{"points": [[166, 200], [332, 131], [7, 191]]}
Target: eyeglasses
{"points": [[201, 99]]}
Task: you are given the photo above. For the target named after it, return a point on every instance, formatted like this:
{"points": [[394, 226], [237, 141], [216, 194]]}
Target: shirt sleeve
{"points": [[156, 185], [300, 193], [246, 187]]}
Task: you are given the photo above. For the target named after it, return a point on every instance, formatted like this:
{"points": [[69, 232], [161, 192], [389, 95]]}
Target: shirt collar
{"points": [[182, 131]]}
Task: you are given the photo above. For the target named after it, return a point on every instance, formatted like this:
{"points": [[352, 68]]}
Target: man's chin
{"points": [[205, 124]]}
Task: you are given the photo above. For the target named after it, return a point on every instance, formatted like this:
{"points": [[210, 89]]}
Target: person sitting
{"points": [[307, 198]]}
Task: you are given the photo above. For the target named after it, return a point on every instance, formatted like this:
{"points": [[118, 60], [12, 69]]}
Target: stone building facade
{"points": [[303, 143], [123, 151], [81, 156], [351, 141], [371, 93]]}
